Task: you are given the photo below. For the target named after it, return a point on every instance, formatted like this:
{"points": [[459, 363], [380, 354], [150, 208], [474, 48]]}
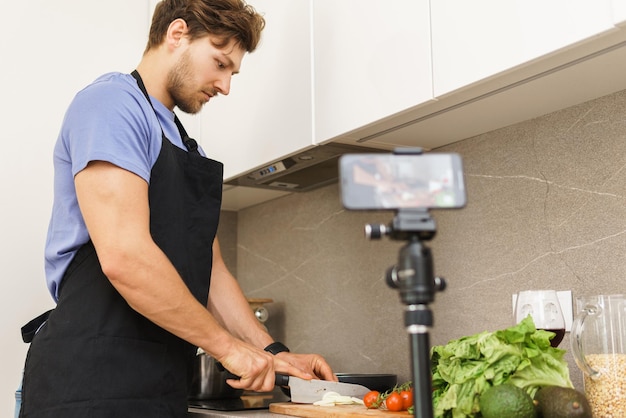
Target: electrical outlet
{"points": [[565, 300]]}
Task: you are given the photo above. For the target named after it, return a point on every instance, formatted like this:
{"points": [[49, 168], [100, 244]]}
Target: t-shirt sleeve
{"points": [[108, 122]]}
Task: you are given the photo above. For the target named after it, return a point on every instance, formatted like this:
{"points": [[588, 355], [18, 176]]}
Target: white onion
{"points": [[333, 398]]}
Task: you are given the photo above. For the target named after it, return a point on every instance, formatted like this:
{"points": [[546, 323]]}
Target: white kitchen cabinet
{"points": [[473, 40], [395, 73], [267, 114], [619, 12], [371, 60]]}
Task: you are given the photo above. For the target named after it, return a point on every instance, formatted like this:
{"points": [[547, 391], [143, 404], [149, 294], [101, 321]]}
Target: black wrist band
{"points": [[276, 348]]}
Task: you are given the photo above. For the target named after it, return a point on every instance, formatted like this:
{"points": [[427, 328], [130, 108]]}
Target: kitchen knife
{"points": [[310, 391]]}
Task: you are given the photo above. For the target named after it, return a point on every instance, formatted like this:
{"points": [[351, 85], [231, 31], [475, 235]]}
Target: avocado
{"points": [[506, 401], [561, 402]]}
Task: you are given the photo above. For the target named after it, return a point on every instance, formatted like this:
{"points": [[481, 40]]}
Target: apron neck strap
{"points": [[190, 143]]}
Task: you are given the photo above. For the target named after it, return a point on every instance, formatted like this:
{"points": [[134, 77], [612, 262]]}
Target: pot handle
{"points": [[577, 341], [226, 372]]}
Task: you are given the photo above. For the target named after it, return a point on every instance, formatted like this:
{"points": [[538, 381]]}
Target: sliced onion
{"points": [[333, 398]]}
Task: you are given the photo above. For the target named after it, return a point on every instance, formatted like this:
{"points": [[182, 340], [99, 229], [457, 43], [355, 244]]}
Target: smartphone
{"points": [[401, 181]]}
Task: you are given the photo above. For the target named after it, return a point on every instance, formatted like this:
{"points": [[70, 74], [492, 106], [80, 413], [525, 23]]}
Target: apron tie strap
{"points": [[29, 330]]}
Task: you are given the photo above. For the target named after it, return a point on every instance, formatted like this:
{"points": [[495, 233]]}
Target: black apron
{"points": [[95, 357]]}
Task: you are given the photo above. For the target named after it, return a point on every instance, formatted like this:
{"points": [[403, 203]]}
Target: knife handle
{"points": [[281, 380]]}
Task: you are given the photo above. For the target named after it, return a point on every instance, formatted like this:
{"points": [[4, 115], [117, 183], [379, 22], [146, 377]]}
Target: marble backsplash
{"points": [[546, 210]]}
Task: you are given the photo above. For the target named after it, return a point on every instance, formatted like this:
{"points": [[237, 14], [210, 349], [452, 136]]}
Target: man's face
{"points": [[202, 72]]}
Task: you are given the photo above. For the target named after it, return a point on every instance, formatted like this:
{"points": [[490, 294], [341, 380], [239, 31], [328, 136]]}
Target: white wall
{"points": [[49, 50]]}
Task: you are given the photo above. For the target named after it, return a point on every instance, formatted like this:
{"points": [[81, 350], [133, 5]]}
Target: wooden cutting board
{"points": [[338, 411]]}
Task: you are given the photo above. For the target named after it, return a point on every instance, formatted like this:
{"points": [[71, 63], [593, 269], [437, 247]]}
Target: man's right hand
{"points": [[257, 368]]}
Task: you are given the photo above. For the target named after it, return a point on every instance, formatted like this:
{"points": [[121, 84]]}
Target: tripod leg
{"points": [[420, 363]]}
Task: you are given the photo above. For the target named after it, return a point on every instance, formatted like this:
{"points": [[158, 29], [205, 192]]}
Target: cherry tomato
{"points": [[370, 399], [394, 402], [407, 398]]}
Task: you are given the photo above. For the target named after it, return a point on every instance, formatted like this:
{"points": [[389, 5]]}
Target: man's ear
{"points": [[175, 33]]}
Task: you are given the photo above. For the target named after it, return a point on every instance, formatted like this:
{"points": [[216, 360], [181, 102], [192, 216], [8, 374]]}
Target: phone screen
{"points": [[390, 181]]}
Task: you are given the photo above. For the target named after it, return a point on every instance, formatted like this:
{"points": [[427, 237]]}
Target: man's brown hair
{"points": [[224, 20]]}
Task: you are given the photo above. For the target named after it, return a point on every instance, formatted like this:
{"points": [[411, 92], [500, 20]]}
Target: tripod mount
{"points": [[413, 277]]}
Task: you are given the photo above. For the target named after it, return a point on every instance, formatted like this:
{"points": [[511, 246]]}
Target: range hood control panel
{"points": [[277, 167], [308, 170]]}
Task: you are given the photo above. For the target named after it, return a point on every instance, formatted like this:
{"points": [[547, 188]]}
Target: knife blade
{"points": [[310, 391]]}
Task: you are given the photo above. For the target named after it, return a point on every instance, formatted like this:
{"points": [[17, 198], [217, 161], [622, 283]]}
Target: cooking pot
{"points": [[379, 382], [209, 381]]}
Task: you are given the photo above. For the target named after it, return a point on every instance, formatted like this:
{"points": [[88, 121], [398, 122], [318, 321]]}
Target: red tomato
{"points": [[407, 398], [394, 402], [370, 399]]}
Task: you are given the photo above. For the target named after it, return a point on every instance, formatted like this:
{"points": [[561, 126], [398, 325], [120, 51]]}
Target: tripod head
{"points": [[413, 274]]}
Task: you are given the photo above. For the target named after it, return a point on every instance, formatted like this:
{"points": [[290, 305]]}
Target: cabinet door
{"points": [[267, 114], [371, 60], [619, 12], [473, 40]]}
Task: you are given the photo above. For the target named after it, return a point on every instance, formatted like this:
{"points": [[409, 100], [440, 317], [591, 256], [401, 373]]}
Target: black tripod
{"points": [[414, 279]]}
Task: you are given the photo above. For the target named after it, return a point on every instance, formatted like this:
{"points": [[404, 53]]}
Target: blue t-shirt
{"points": [[110, 120]]}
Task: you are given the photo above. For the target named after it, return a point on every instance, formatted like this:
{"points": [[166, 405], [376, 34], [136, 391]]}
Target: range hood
{"points": [[307, 170]]}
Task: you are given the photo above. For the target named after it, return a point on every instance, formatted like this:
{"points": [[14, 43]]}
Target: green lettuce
{"points": [[521, 355]]}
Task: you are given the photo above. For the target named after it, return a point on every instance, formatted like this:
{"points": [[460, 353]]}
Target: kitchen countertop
{"points": [[206, 413], [249, 399]]}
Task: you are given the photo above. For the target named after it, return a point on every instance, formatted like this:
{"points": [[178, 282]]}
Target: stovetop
{"points": [[247, 401]]}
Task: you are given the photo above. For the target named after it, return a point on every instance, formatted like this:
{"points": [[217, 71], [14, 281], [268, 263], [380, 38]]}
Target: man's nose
{"points": [[223, 85]]}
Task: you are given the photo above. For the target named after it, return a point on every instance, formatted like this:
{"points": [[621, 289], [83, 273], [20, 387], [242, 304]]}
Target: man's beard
{"points": [[177, 80]]}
